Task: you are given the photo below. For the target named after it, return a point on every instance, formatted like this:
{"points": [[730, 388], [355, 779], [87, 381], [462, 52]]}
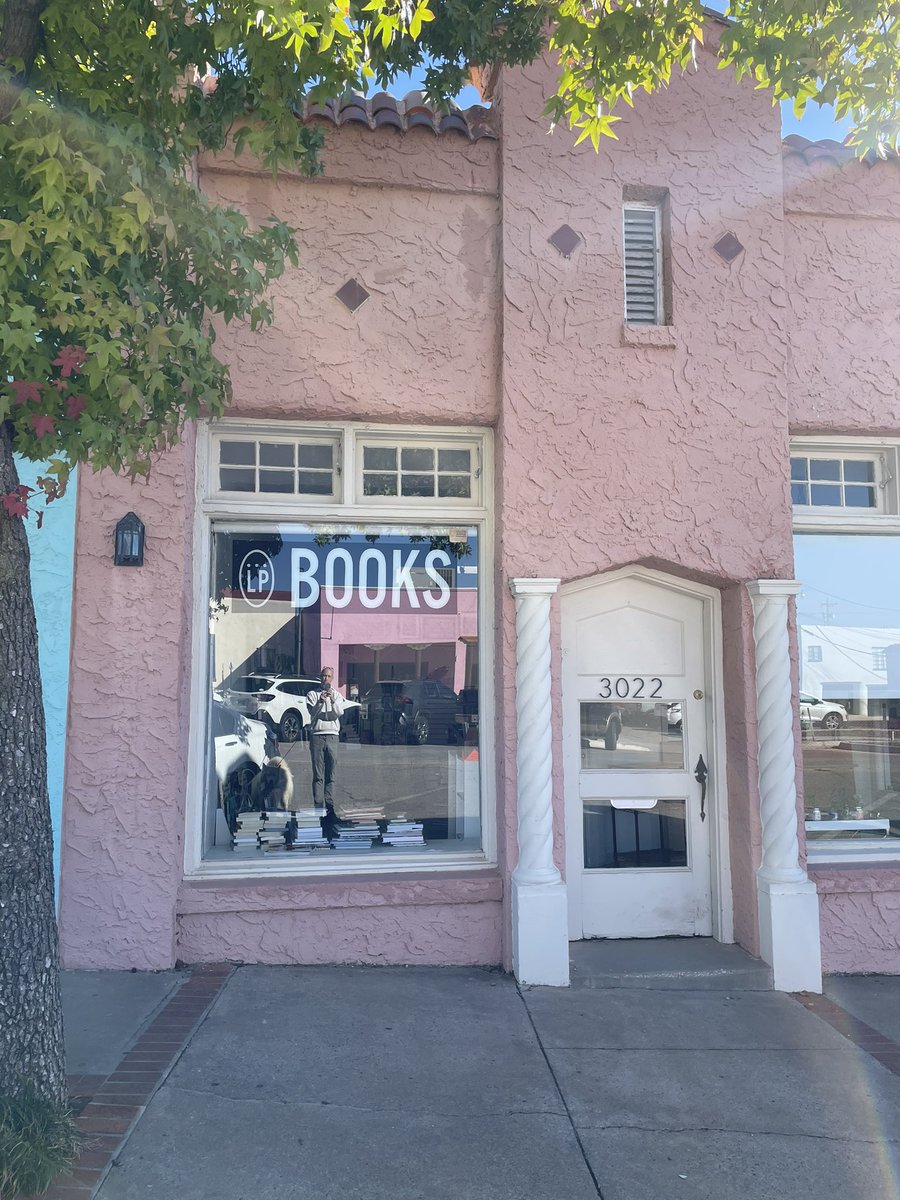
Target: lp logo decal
{"points": [[257, 578]]}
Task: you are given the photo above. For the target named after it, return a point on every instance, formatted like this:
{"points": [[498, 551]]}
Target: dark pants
{"points": [[323, 749]]}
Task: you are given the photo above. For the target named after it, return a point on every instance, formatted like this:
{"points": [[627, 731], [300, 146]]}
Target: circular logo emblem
{"points": [[256, 578]]}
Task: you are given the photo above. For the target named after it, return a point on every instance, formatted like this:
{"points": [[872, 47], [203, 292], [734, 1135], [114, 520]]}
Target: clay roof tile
{"points": [[410, 112]]}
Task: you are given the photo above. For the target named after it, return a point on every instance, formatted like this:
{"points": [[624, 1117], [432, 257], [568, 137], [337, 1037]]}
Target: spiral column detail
{"points": [[534, 746], [775, 720]]}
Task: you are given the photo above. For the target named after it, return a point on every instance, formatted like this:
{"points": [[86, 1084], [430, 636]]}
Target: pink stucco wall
{"points": [[614, 446]]}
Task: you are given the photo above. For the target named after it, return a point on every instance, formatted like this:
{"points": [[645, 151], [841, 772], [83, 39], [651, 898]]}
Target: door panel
{"points": [[635, 721]]}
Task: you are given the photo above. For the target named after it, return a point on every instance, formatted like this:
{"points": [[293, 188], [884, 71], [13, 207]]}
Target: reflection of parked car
{"points": [[415, 710], [241, 692], [821, 712], [282, 705], [673, 714], [467, 715], [240, 747], [601, 721]]}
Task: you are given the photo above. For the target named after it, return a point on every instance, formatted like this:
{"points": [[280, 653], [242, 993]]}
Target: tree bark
{"points": [[20, 39], [31, 1033]]}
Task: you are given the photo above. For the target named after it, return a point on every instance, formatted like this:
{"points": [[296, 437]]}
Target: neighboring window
{"points": [[418, 472], [642, 233], [834, 482], [385, 590], [282, 467], [848, 611]]}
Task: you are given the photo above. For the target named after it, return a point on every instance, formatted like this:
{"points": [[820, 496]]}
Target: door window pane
{"points": [[622, 838], [632, 736]]}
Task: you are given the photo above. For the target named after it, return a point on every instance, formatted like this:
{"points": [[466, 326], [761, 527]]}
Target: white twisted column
{"points": [[788, 905], [539, 916]]}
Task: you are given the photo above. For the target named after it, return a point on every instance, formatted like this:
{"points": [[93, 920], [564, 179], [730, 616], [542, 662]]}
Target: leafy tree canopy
{"points": [[111, 262]]}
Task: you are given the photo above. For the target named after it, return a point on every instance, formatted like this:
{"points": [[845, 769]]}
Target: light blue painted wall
{"points": [[52, 554]]}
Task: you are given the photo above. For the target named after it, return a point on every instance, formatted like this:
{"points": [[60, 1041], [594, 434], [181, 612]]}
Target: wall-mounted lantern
{"points": [[129, 542]]}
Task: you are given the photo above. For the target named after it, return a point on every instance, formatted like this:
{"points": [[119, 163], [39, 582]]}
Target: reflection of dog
{"points": [[273, 788]]}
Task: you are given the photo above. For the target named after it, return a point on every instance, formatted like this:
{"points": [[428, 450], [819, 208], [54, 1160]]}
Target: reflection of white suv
{"points": [[821, 712], [282, 705]]}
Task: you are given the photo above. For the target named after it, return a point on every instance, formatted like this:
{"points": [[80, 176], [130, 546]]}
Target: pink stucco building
{"points": [[589, 440]]}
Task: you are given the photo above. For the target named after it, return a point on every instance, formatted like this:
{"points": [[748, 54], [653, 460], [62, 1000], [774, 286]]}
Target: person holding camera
{"points": [[326, 707]]}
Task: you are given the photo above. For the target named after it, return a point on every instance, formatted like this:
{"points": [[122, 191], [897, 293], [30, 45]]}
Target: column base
{"points": [[540, 933], [789, 934]]}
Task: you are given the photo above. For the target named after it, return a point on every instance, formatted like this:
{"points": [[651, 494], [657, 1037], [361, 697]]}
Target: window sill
{"points": [[662, 337], [323, 867], [837, 854]]}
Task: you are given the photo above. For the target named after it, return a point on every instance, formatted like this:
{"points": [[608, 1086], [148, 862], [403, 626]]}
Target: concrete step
{"points": [[667, 963]]}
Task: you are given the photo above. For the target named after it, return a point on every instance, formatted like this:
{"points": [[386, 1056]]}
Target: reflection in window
{"points": [[833, 482], [394, 613], [282, 468], [850, 694], [632, 735], [419, 472], [622, 838]]}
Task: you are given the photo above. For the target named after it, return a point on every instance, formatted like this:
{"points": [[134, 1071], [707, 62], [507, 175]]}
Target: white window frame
{"points": [[886, 520], [660, 314], [244, 433], [348, 507], [397, 440]]}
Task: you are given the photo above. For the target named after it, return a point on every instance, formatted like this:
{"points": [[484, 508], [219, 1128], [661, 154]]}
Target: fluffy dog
{"points": [[273, 788]]}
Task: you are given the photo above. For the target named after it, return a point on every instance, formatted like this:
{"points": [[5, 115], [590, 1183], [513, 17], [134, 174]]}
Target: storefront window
{"points": [[848, 616], [386, 763]]}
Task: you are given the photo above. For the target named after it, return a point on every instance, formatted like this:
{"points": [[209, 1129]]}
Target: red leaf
{"points": [[42, 424], [69, 360], [14, 504], [25, 391], [75, 406]]}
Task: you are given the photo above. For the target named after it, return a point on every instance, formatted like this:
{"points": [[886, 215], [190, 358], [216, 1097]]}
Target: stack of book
{"points": [[266, 830], [402, 834], [358, 836]]}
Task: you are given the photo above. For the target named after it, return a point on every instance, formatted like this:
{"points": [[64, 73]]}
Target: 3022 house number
{"points": [[630, 687]]}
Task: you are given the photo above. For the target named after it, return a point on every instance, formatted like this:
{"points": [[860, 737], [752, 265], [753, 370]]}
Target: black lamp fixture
{"points": [[129, 542]]}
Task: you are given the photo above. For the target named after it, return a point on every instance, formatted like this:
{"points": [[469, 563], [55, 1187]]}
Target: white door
{"points": [[637, 739]]}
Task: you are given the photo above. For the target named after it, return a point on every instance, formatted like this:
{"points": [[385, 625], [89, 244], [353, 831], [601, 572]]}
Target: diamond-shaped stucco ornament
{"points": [[352, 294], [565, 240], [728, 247]]}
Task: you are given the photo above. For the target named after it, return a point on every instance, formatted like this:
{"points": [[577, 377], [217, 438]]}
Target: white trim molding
{"points": [[539, 909], [788, 904]]}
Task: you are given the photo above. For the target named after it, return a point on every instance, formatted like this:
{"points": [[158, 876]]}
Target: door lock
{"points": [[701, 773]]}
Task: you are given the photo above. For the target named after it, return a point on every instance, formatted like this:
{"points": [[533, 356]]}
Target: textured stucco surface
{"points": [[52, 549], [614, 446], [860, 913]]}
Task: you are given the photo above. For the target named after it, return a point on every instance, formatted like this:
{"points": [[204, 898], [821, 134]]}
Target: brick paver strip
{"points": [[117, 1101], [863, 1036]]}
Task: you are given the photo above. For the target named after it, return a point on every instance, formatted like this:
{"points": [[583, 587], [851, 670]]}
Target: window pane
{"points": [[379, 485], [417, 485], [276, 481], [417, 460], [454, 460], [459, 486], [823, 493], [315, 456], [859, 497], [380, 458], [275, 454], [858, 472], [623, 838], [849, 613], [315, 483], [241, 453], [407, 774], [824, 468], [799, 493], [237, 480], [799, 467], [631, 736]]}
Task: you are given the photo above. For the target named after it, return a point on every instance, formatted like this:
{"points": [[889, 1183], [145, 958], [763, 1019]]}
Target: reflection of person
{"points": [[326, 706]]}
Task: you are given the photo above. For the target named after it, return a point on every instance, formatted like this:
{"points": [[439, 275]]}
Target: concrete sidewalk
{"points": [[668, 1070]]}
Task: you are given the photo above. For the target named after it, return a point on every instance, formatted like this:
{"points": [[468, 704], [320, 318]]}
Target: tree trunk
{"points": [[20, 40], [31, 1033]]}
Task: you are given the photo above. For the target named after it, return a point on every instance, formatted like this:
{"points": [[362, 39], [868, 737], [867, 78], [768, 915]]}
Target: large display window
{"points": [[343, 691]]}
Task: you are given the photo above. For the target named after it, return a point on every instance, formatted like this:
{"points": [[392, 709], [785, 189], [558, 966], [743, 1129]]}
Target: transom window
{"points": [[834, 482], [286, 468], [424, 472]]}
